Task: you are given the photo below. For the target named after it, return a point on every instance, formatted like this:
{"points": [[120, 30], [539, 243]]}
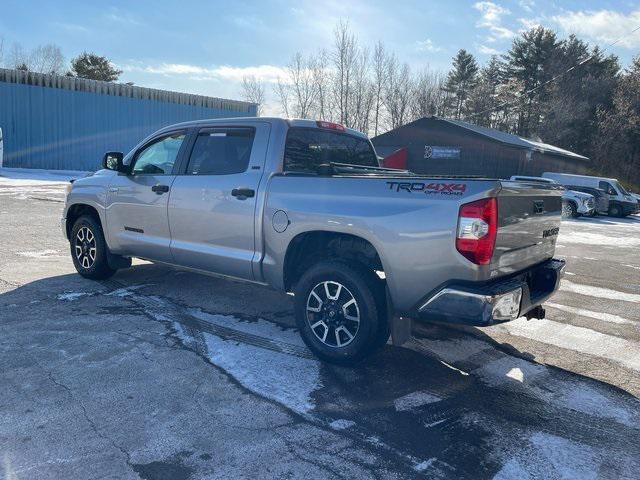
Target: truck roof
{"points": [[287, 122]]}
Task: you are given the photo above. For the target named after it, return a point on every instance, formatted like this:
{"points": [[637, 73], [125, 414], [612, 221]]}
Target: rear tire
{"points": [[615, 211], [340, 312], [89, 250]]}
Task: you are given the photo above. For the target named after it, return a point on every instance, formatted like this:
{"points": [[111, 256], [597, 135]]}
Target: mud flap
{"points": [[117, 262], [400, 330]]}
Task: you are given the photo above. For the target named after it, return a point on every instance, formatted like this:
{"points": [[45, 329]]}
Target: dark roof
{"points": [[508, 138], [514, 140]]}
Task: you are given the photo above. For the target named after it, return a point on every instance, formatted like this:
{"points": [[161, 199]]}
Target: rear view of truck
{"points": [[510, 240]]}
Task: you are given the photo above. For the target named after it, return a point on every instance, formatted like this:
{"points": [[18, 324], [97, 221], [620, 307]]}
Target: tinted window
{"points": [[307, 148], [608, 188], [221, 151], [159, 157]]}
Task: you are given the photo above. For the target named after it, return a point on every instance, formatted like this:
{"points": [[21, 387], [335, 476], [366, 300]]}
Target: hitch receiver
{"points": [[537, 312]]}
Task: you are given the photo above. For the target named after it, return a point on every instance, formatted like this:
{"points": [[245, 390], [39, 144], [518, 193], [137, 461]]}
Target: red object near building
{"points": [[397, 159]]}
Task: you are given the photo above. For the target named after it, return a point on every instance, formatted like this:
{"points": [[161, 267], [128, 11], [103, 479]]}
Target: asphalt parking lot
{"points": [[164, 374]]}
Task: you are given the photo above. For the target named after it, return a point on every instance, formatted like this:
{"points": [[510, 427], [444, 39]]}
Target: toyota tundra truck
{"points": [[304, 207]]}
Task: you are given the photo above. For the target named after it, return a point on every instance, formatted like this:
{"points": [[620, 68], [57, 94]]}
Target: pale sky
{"points": [[206, 47]]}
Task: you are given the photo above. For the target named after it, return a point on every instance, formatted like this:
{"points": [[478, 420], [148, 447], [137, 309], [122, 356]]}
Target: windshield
{"points": [[308, 148], [619, 187]]}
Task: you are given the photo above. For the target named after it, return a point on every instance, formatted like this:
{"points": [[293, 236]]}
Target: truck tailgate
{"points": [[529, 216]]}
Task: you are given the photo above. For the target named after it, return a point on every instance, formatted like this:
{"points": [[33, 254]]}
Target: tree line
{"points": [[562, 91], [49, 59]]}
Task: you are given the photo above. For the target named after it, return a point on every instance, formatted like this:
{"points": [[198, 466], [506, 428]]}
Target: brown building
{"points": [[439, 146]]}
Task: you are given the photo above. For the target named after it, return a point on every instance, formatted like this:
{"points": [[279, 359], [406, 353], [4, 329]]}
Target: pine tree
{"points": [[94, 67], [461, 80], [529, 62]]}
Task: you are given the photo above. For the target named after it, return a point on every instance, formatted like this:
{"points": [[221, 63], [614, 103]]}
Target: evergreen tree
{"points": [[94, 67], [461, 80], [617, 145], [529, 62]]}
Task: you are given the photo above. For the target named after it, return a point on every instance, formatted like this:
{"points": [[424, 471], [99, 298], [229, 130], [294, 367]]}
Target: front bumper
{"points": [[483, 304], [63, 227]]}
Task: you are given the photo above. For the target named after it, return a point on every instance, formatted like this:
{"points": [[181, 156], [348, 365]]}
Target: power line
{"points": [[553, 79]]}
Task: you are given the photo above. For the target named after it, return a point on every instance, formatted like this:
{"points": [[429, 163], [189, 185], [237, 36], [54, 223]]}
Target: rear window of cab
{"points": [[308, 148]]}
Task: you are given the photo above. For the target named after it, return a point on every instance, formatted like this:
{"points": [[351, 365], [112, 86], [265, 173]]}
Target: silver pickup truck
{"points": [[303, 206]]}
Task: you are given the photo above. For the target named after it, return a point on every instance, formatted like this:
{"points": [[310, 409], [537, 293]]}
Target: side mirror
{"points": [[114, 161]]}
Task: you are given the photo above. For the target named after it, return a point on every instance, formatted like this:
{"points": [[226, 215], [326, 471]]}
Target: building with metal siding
{"points": [[439, 146], [58, 122]]}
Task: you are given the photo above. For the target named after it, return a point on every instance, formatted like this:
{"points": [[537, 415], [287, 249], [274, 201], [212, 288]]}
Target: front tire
{"points": [[569, 210], [615, 211], [89, 250], [339, 312]]}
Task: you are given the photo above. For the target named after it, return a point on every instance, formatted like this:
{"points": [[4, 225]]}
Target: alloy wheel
{"points": [[85, 247], [333, 314]]}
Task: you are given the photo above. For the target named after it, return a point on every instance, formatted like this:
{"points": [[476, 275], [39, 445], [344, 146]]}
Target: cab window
{"points": [[221, 151], [159, 157], [308, 148], [607, 187]]}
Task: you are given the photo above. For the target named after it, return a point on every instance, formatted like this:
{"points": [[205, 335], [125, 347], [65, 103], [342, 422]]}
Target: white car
{"points": [[574, 204]]}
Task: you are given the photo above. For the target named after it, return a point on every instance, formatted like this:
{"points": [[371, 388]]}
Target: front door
{"points": [[212, 206], [137, 202]]}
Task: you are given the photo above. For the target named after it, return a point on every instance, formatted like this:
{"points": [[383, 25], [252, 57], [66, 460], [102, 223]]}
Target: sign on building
{"points": [[434, 151]]}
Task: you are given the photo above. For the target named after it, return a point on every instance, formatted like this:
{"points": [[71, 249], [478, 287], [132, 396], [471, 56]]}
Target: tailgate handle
{"points": [[538, 207]]}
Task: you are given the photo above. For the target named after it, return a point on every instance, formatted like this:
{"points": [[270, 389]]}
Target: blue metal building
{"points": [[66, 123]]}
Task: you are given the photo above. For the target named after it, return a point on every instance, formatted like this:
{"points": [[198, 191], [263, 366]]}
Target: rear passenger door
{"points": [[212, 205]]}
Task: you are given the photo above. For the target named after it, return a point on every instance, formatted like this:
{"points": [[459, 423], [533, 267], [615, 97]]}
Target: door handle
{"points": [[160, 189], [243, 193]]}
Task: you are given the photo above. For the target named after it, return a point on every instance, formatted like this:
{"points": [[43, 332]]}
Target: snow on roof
{"points": [[514, 140]]}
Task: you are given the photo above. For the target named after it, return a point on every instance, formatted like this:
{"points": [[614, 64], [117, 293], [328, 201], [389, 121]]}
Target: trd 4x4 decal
{"points": [[429, 188]]}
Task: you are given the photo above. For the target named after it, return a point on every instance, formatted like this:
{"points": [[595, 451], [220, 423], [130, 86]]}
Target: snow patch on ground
{"points": [[41, 254], [550, 456], [71, 296], [32, 176], [587, 238], [578, 339], [422, 466], [286, 379], [605, 317], [126, 291], [342, 424], [599, 292], [259, 327], [509, 369], [415, 400]]}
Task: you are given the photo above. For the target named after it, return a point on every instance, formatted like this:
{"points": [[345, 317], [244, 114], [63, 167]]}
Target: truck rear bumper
{"points": [[496, 301]]}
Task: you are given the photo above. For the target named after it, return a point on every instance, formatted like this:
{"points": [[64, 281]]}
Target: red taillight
{"points": [[330, 125], [477, 228]]}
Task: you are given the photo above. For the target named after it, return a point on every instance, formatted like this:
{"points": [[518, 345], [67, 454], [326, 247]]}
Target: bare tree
{"points": [[397, 92], [321, 82], [253, 91], [344, 57], [42, 59], [428, 96], [47, 59], [379, 77], [282, 92]]}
